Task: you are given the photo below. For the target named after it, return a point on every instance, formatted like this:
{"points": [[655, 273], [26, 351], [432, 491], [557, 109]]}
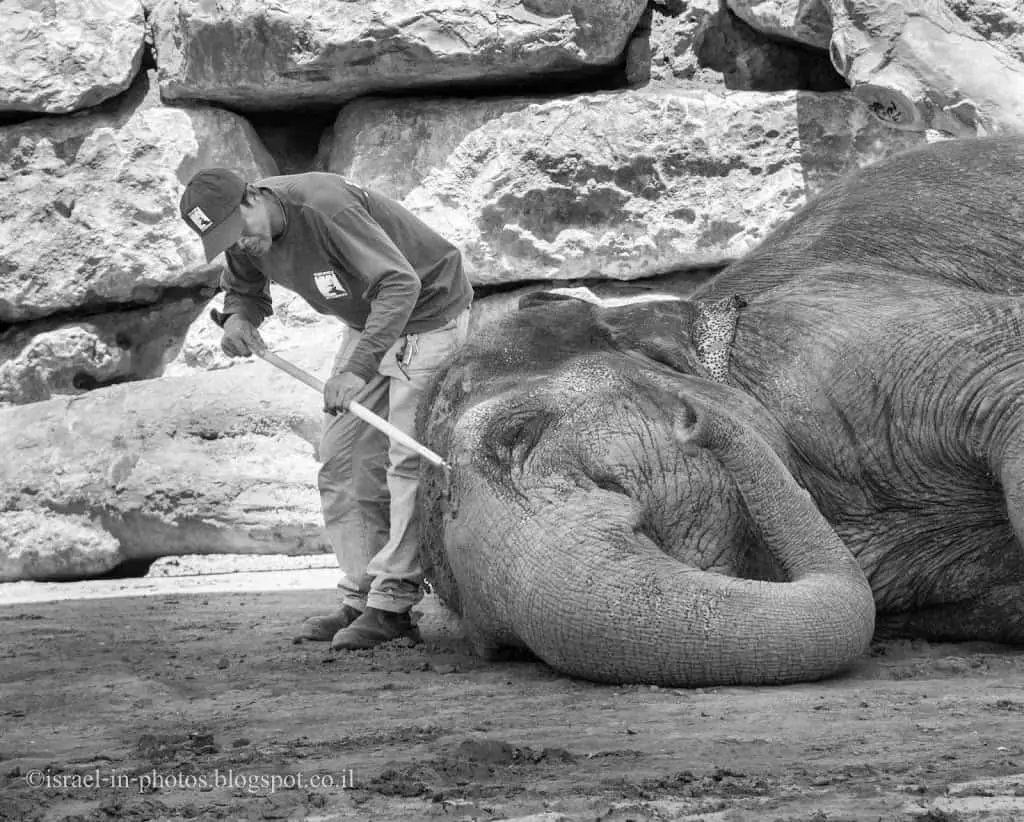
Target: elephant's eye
{"points": [[517, 439]]}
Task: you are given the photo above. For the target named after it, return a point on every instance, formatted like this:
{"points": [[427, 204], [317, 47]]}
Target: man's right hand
{"points": [[241, 339]]}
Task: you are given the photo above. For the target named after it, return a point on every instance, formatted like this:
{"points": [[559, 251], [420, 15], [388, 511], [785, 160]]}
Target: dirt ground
{"points": [[200, 706]]}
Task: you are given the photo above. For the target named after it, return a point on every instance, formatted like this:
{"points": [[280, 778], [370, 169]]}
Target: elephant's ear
{"points": [[661, 331]]}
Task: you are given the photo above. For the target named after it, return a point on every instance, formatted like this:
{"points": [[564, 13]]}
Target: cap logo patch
{"points": [[200, 220]]}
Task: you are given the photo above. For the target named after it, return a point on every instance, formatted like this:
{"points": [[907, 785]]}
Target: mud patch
{"points": [[160, 748], [719, 782], [474, 768], [1008, 706]]}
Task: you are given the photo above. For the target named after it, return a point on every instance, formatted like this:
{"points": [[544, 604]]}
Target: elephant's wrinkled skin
{"points": [[879, 357]]}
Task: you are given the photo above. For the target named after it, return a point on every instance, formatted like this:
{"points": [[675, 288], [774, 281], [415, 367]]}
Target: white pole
{"points": [[357, 410]]}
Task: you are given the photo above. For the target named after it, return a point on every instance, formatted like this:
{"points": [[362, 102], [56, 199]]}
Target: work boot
{"points": [[372, 628], [323, 628]]}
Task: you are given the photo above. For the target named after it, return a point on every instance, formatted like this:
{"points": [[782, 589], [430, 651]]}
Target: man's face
{"points": [[256, 231]]}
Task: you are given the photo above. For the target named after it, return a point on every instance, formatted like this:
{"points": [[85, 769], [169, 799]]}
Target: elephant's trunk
{"points": [[581, 584]]}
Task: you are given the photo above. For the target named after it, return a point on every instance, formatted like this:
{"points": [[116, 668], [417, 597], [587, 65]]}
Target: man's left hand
{"points": [[340, 390]]}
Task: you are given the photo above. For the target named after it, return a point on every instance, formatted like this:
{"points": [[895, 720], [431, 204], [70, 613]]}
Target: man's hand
{"points": [[340, 390], [241, 339]]}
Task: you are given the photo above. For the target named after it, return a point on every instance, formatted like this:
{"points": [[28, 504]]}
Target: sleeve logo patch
{"points": [[200, 219], [327, 284]]}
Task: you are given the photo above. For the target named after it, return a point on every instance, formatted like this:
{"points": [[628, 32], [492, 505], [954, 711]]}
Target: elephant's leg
{"points": [[996, 615], [996, 611]]}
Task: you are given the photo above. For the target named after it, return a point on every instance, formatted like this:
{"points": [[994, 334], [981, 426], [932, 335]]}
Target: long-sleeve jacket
{"points": [[356, 254]]}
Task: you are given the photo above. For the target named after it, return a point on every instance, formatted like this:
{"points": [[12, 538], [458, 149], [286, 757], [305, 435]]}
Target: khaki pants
{"points": [[368, 484]]}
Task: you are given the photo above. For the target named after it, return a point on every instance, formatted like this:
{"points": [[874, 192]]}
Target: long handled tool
{"points": [[357, 410]]}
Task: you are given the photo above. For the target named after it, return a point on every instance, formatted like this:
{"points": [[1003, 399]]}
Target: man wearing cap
{"points": [[400, 287]]}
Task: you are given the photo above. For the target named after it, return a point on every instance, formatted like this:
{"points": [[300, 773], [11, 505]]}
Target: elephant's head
{"points": [[609, 511]]}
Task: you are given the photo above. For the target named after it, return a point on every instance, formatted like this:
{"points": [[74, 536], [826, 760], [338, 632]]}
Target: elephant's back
{"points": [[950, 212]]}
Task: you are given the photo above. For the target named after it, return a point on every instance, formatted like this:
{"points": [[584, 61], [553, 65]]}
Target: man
{"points": [[401, 289]]}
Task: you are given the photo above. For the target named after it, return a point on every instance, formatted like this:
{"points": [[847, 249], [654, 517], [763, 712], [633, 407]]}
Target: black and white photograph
{"points": [[524, 410]]}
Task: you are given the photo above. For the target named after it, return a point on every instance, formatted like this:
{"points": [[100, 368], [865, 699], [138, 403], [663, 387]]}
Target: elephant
{"points": [[825, 443]]}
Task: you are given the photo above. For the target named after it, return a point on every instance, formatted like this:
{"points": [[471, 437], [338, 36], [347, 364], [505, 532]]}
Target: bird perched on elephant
{"points": [[828, 438]]}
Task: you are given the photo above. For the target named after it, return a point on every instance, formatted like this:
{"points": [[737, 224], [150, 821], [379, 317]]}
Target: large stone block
{"points": [[753, 60], [68, 55], [52, 545], [805, 21], [392, 145], [89, 204], [222, 462], [42, 359], [918, 66], [1000, 22], [254, 55], [675, 34], [624, 185]]}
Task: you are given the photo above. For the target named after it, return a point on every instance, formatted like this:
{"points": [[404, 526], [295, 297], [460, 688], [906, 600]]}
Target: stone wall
{"points": [[630, 146]]}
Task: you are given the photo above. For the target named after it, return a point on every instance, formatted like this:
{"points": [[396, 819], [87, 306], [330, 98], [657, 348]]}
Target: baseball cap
{"points": [[210, 208]]}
